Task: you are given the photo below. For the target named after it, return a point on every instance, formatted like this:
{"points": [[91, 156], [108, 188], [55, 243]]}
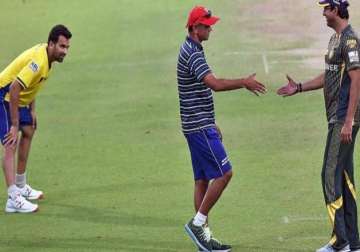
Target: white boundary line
{"points": [[295, 52], [266, 65], [291, 219]]}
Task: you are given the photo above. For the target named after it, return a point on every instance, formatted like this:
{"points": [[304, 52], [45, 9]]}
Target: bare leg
{"points": [[201, 187], [9, 165], [214, 192], [24, 148]]}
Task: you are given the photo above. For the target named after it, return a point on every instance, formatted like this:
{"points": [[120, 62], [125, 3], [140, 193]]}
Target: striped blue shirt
{"points": [[196, 100]]}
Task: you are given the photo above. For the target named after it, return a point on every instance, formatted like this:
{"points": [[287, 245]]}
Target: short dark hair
{"points": [[57, 31], [343, 12]]}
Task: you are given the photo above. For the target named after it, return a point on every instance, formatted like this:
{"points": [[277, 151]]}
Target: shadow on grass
{"points": [[108, 209], [94, 215], [121, 244], [89, 244], [244, 248], [141, 185]]}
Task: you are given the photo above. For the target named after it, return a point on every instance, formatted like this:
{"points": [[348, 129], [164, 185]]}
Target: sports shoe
{"points": [[217, 246], [18, 204], [199, 236], [328, 248], [31, 194]]}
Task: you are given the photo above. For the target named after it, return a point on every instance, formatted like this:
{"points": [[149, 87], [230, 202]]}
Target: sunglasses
{"points": [[208, 14]]}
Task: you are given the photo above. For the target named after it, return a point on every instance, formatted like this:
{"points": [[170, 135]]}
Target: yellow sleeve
{"points": [[29, 74]]}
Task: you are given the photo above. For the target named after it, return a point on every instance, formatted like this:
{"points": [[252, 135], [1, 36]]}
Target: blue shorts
{"points": [[25, 117], [208, 156]]}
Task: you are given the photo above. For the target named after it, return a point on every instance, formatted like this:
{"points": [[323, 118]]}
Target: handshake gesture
{"points": [[254, 86], [290, 89]]}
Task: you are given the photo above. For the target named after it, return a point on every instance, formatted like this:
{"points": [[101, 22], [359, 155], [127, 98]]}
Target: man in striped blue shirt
{"points": [[209, 159]]}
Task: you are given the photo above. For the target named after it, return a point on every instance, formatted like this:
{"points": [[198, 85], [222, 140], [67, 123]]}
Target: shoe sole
{"points": [[32, 198], [193, 237], [224, 250], [11, 210], [342, 250]]}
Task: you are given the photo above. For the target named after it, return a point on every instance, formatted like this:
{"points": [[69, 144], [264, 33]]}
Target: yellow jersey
{"points": [[31, 69]]}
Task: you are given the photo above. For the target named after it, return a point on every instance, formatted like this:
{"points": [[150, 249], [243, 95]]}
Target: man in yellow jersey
{"points": [[19, 83]]}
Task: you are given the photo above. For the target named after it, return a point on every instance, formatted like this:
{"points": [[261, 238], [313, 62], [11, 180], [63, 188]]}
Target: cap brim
{"points": [[323, 3], [209, 21]]}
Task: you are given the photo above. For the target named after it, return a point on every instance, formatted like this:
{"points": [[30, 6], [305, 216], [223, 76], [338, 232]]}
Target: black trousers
{"points": [[339, 188]]}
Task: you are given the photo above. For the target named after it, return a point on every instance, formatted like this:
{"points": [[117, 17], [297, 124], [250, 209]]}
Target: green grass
{"points": [[109, 152]]}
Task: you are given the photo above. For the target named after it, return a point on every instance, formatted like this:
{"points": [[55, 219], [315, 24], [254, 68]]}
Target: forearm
{"points": [[14, 109], [353, 100], [314, 84], [14, 103], [228, 84]]}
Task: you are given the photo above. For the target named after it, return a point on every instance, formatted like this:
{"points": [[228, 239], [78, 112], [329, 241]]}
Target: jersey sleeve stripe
{"points": [[23, 85]]}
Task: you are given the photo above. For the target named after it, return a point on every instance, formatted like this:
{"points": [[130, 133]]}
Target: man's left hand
{"points": [[346, 133]]}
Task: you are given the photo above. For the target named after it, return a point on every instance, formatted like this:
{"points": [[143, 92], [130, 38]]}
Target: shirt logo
{"points": [[353, 56], [331, 67], [351, 43], [34, 67]]}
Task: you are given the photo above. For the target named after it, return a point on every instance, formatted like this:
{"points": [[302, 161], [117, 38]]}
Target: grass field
{"points": [[109, 153]]}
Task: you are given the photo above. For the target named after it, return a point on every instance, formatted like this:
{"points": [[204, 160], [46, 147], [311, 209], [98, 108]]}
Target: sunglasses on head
{"points": [[208, 14]]}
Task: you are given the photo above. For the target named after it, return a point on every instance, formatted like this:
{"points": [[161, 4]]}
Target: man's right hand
{"points": [[288, 90], [254, 86], [11, 137]]}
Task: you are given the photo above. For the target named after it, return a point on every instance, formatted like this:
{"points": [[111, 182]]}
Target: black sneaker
{"points": [[217, 246], [199, 236]]}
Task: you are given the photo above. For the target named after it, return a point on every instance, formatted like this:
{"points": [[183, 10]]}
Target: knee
{"points": [[228, 175], [201, 182], [28, 133], [9, 151]]}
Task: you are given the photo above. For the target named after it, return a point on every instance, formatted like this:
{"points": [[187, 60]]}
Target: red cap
{"points": [[201, 15]]}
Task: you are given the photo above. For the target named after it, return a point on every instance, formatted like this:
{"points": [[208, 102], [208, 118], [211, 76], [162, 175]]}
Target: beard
{"points": [[330, 23], [60, 58]]}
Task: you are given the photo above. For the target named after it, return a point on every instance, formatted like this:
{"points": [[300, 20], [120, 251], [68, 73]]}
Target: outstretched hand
{"points": [[289, 89], [254, 86]]}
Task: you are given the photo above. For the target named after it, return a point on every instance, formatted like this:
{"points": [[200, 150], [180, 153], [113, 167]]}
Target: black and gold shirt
{"points": [[342, 56]]}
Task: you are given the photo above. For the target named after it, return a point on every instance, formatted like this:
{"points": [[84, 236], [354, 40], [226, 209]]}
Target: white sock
{"points": [[12, 190], [199, 219], [20, 180]]}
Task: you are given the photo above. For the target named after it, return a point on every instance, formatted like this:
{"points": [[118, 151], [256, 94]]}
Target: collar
{"points": [[191, 41], [347, 28]]}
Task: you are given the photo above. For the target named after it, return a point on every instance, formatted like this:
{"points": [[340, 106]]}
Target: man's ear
{"points": [[51, 44]]}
